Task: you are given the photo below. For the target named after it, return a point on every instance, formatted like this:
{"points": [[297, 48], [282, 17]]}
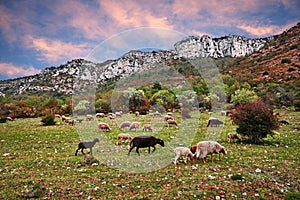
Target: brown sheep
{"points": [[233, 137], [143, 142], [172, 122], [104, 126], [89, 118], [147, 127]]}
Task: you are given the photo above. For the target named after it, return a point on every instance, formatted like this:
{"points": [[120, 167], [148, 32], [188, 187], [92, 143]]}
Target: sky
{"points": [[36, 34]]}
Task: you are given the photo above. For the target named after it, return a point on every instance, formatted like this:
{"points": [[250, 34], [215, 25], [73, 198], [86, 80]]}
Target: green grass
{"points": [[39, 161]]}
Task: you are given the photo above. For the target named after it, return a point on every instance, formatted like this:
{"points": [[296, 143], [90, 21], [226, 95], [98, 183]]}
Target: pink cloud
{"points": [[56, 50], [10, 70], [259, 30]]}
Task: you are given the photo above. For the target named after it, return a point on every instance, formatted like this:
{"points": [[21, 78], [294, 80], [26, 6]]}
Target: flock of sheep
{"points": [[201, 149]]}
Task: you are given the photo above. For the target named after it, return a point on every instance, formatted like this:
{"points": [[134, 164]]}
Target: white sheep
{"points": [[183, 151], [147, 127], [209, 147], [134, 125], [125, 124]]}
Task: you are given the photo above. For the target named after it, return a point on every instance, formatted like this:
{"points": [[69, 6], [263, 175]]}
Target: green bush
{"points": [[48, 120], [255, 120], [285, 60]]}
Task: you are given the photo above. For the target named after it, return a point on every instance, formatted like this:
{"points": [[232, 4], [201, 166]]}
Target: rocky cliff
{"points": [[60, 80]]}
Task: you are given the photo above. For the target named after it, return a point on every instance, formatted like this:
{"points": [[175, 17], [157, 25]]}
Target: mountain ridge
{"points": [[60, 80]]}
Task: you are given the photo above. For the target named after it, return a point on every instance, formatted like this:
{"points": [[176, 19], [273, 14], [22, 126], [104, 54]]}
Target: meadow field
{"points": [[39, 161]]}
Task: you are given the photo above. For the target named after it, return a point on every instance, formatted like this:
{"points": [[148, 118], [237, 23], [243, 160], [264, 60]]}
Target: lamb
{"points": [[85, 145], [183, 151], [143, 142], [214, 122], [134, 125], [104, 126], [125, 124], [147, 127], [123, 136], [209, 147], [232, 136], [172, 122]]}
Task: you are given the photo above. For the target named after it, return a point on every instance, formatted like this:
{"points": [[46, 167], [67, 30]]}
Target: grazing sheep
{"points": [[70, 122], [118, 114], [214, 122], [100, 115], [172, 122], [209, 147], [111, 115], [147, 127], [79, 121], [167, 117], [193, 148], [183, 151], [123, 136], [223, 112], [64, 118], [155, 114], [143, 142], [233, 137], [10, 119], [284, 122], [57, 116], [134, 125], [137, 113], [104, 126], [89, 118], [125, 124], [85, 145]]}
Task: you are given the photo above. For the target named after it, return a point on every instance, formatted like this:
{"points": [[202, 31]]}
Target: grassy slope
{"points": [[42, 159]]}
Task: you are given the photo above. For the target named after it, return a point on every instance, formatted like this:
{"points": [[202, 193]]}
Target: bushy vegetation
{"points": [[255, 120], [48, 120]]}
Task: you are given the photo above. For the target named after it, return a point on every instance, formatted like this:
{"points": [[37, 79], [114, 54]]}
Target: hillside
{"points": [[277, 62]]}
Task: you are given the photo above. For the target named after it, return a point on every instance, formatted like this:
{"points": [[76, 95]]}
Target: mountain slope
{"points": [[278, 61]]}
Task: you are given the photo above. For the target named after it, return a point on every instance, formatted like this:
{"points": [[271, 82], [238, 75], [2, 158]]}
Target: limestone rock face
{"points": [[81, 73]]}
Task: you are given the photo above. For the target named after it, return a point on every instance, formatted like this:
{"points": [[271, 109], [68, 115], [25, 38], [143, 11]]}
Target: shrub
{"points": [[285, 60], [243, 96], [48, 120], [255, 120], [297, 104]]}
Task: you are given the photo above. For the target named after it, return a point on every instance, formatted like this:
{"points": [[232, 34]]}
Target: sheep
{"points": [[70, 122], [57, 116], [123, 136], [85, 145], [167, 117], [134, 125], [89, 118], [155, 114], [147, 127], [284, 122], [125, 124], [119, 114], [223, 112], [100, 115], [193, 148], [172, 122], [104, 126], [111, 115], [143, 142], [10, 118], [209, 147], [233, 137], [183, 151], [214, 122], [64, 118], [137, 113]]}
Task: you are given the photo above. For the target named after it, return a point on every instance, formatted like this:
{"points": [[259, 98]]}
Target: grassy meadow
{"points": [[38, 161]]}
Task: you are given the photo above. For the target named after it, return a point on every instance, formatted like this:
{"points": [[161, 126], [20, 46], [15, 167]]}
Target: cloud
{"points": [[12, 71], [260, 30], [56, 50]]}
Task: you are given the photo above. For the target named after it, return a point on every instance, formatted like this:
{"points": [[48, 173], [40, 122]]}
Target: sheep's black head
{"points": [[161, 142], [96, 140]]}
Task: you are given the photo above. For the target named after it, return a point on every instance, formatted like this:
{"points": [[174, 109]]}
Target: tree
{"points": [[243, 96], [255, 120], [165, 98]]}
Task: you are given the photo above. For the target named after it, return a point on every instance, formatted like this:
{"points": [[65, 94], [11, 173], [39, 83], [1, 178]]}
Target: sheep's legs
{"points": [[137, 150], [91, 151], [130, 150], [153, 149], [211, 157]]}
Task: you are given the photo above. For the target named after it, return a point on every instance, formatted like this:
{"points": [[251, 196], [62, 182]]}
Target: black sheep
{"points": [[85, 145], [214, 122], [143, 142]]}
